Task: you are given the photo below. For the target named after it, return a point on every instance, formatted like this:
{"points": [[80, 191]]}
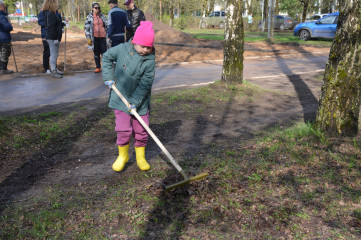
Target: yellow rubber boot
{"points": [[140, 155], [122, 159]]}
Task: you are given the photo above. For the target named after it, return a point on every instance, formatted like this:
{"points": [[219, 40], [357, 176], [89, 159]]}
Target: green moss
{"points": [[333, 56]]}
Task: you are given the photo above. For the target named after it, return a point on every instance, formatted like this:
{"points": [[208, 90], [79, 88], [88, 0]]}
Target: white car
{"points": [[316, 17]]}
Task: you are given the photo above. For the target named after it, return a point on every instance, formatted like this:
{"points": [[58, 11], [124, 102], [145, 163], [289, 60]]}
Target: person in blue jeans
{"points": [[54, 32], [118, 23], [46, 51]]}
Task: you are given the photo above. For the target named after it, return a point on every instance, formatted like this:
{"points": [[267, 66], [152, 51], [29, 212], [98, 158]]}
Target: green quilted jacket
{"points": [[133, 74]]}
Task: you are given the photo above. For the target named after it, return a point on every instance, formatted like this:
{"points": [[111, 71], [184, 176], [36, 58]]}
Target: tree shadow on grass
{"points": [[313, 198], [306, 97], [40, 162], [170, 215]]}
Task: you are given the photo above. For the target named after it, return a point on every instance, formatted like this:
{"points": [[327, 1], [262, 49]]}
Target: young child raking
{"points": [[133, 76]]}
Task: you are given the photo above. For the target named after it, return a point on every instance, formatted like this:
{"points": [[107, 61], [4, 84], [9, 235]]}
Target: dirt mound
{"points": [[33, 27], [75, 29], [166, 34], [32, 68]]}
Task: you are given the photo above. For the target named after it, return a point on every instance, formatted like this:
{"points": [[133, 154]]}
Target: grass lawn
{"points": [[287, 181], [279, 37]]}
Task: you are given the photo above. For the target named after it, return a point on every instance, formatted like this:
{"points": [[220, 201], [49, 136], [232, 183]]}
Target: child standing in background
{"points": [[133, 76]]}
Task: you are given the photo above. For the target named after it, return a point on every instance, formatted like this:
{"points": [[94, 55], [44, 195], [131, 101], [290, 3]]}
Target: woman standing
{"points": [[96, 27], [54, 27]]}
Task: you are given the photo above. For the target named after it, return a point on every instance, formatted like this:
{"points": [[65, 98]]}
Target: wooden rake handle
{"points": [[165, 151]]}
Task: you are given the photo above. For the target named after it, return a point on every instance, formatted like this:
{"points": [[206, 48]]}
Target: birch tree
{"points": [[271, 19], [339, 108], [232, 71]]}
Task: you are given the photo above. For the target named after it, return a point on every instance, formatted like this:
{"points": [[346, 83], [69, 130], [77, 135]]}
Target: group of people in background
{"points": [[51, 34], [102, 32]]}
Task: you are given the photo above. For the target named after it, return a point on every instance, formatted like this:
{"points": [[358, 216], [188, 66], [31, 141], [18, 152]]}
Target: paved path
{"points": [[29, 92]]}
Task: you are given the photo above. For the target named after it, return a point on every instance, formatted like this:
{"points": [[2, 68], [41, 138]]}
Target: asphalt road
{"points": [[41, 90]]}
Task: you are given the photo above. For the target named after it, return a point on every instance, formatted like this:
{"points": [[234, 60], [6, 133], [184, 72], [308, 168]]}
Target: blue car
{"points": [[322, 28]]}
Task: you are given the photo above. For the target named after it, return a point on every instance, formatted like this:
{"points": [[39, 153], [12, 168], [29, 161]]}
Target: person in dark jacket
{"points": [[54, 32], [5, 40], [46, 51], [117, 22], [135, 15]]}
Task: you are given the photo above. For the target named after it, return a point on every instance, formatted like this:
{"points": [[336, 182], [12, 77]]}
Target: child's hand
{"points": [[109, 83], [131, 107]]}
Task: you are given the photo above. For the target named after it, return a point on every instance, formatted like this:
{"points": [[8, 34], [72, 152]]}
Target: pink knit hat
{"points": [[144, 35]]}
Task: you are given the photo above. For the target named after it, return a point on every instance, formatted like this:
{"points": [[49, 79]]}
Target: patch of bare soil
{"points": [[80, 157], [73, 157]]}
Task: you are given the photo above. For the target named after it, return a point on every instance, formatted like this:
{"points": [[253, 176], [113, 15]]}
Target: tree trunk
{"points": [[271, 20], [304, 12], [277, 11], [211, 7], [249, 6], [72, 11], [337, 6], [233, 49], [339, 108], [78, 13], [265, 14], [171, 14], [37, 8], [160, 10], [326, 6]]}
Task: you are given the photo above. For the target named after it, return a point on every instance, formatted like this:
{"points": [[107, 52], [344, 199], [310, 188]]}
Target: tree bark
{"points": [[171, 14], [211, 6], [265, 14], [232, 71], [277, 11], [78, 13], [160, 10], [339, 108], [306, 3], [271, 19], [249, 6]]}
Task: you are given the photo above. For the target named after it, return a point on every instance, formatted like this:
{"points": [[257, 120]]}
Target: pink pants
{"points": [[126, 125]]}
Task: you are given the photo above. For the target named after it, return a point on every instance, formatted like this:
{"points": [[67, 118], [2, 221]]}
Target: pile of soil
{"points": [[166, 34]]}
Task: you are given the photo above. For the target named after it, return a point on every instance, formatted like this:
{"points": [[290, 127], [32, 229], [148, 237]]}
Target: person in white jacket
{"points": [[96, 27]]}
